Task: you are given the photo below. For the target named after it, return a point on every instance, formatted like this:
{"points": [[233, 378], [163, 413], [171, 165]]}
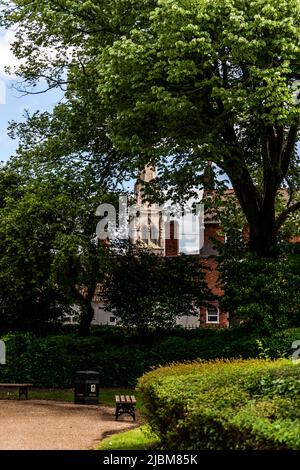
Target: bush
{"points": [[263, 292], [224, 405], [121, 356], [136, 278], [52, 361]]}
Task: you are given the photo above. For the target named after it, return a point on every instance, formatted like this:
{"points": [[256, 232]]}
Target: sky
{"points": [[12, 102]]}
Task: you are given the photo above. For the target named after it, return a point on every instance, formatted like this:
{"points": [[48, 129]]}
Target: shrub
{"points": [[263, 292], [146, 291], [52, 361], [223, 405], [121, 356]]}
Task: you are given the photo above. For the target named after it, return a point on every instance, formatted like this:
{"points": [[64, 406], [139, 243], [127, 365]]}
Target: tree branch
{"points": [[61, 84], [89, 18], [234, 165], [291, 191], [271, 143], [289, 148], [284, 215], [41, 92], [279, 137]]}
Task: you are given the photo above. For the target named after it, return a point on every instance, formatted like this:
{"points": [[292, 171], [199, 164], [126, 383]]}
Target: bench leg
{"points": [[117, 412], [23, 391], [122, 408]]}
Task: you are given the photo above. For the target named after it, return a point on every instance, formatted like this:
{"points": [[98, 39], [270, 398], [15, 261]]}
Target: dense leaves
{"points": [[178, 83], [52, 361], [48, 249], [261, 293], [148, 291], [222, 405]]}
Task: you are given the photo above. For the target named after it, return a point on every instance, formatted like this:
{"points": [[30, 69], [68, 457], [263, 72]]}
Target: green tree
{"points": [[213, 81], [28, 299], [179, 83], [50, 259], [262, 293], [145, 290]]}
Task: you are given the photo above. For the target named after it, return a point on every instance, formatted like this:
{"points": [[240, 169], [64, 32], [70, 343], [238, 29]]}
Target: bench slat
{"points": [[125, 404], [125, 399]]}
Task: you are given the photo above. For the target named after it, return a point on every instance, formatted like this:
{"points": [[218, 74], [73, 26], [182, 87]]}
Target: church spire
{"points": [[148, 223], [147, 174]]}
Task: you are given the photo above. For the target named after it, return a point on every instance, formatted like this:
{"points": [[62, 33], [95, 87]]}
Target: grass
{"points": [[136, 439], [106, 395]]}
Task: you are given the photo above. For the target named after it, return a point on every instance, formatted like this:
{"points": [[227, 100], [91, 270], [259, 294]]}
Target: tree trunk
{"points": [[86, 318], [263, 228], [261, 218], [259, 210], [263, 236], [87, 313], [259, 206]]}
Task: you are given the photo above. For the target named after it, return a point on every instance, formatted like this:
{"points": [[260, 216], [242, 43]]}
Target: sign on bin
{"points": [[86, 387]]}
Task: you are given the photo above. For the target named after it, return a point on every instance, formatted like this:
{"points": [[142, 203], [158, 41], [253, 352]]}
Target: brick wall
{"points": [[172, 242], [211, 234], [212, 276]]}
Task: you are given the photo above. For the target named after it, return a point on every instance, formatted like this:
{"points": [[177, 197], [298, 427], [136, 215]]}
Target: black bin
{"points": [[86, 387]]}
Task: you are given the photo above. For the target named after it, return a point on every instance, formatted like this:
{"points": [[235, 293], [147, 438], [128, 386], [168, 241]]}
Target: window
{"points": [[112, 319], [212, 314]]}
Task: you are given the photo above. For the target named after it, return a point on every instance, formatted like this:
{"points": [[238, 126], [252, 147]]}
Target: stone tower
{"points": [[147, 220]]}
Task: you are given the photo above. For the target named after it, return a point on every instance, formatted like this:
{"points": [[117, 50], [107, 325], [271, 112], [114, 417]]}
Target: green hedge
{"points": [[223, 405], [121, 356]]}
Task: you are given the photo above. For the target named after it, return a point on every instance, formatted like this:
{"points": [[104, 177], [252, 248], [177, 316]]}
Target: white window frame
{"points": [[218, 315]]}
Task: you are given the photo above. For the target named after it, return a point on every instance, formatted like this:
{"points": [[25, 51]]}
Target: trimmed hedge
{"points": [[121, 356], [223, 405]]}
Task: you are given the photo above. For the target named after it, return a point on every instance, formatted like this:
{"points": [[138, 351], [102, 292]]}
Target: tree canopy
{"points": [[148, 291], [178, 83], [261, 293], [50, 259]]}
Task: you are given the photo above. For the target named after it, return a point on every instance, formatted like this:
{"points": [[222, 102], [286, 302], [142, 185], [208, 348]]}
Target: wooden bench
{"points": [[125, 404], [23, 388]]}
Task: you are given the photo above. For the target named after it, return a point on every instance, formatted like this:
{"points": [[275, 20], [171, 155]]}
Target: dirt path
{"points": [[53, 425]]}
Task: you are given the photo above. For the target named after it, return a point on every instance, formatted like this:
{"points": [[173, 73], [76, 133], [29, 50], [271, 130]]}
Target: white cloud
{"points": [[7, 59]]}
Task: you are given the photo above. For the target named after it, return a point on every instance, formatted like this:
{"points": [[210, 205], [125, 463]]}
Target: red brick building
{"points": [[213, 316], [148, 228]]}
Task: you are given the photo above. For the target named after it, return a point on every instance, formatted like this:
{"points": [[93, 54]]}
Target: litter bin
{"points": [[86, 387]]}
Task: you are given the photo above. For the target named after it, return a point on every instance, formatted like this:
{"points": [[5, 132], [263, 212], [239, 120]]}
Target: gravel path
{"points": [[53, 425]]}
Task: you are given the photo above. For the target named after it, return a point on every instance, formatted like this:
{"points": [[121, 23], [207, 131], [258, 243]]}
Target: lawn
{"points": [[136, 439], [106, 395]]}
